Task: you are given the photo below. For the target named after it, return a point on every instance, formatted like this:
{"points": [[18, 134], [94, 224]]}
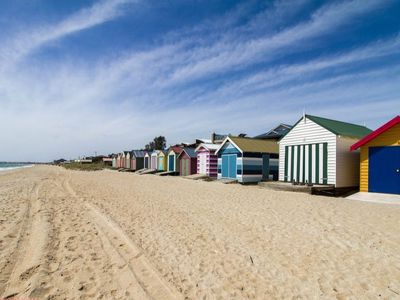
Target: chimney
{"points": [[213, 138]]}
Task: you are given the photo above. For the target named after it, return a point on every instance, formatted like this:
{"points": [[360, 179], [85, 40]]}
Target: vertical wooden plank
{"points": [[285, 178], [325, 162]]}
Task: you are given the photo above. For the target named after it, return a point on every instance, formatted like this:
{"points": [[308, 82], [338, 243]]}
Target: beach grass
{"points": [[86, 167]]}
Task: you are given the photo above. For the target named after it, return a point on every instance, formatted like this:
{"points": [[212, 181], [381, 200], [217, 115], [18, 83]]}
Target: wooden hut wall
{"points": [[207, 162], [127, 161], [147, 161], [172, 161], [162, 162], [228, 162], [153, 159], [187, 164]]}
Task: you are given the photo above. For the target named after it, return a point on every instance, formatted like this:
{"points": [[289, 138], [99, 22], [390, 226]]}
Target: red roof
{"points": [[374, 134], [176, 149]]}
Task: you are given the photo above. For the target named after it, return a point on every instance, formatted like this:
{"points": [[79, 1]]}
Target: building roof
{"points": [[337, 127], [376, 133], [138, 153], [208, 141], [341, 128], [275, 133], [176, 149], [189, 151], [155, 152], [208, 146], [252, 145]]}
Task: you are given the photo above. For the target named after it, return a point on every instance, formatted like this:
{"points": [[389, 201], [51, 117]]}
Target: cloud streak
{"points": [[225, 75], [25, 43]]}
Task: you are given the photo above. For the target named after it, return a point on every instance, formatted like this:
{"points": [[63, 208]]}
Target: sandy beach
{"points": [[109, 235]]}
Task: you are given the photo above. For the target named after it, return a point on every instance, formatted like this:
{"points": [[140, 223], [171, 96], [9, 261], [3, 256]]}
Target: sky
{"points": [[79, 77]]}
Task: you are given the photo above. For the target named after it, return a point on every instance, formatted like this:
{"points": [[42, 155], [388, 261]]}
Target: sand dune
{"points": [[78, 235]]}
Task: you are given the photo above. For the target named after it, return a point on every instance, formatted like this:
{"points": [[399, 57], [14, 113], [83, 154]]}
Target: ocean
{"points": [[4, 166]]}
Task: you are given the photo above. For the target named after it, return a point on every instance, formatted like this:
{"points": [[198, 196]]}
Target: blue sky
{"points": [[84, 76]]}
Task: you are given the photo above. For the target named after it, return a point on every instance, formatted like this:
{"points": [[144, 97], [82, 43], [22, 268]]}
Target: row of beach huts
{"points": [[315, 151]]}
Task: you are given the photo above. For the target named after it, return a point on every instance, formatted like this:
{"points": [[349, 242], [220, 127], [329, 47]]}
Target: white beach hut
{"points": [[316, 151]]}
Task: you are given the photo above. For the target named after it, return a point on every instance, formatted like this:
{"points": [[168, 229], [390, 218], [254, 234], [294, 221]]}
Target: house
{"points": [[137, 159], [276, 133], [187, 162], [154, 159], [173, 163], [247, 159], [162, 161], [316, 151], [380, 159], [207, 160], [147, 158], [127, 160]]}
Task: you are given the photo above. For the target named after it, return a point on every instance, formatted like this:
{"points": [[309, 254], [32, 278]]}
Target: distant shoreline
{"points": [[14, 166]]}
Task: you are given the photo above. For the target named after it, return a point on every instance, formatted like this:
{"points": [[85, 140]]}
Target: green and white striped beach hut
{"points": [[317, 151]]}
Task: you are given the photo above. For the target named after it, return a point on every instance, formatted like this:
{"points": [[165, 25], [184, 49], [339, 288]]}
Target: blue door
{"points": [[232, 166], [384, 170], [171, 163], [225, 166], [229, 166]]}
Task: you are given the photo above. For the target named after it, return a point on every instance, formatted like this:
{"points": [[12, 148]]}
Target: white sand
{"points": [[80, 235]]}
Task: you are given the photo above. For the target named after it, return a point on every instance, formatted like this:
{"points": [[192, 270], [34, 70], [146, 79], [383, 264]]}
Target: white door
{"points": [[203, 163]]}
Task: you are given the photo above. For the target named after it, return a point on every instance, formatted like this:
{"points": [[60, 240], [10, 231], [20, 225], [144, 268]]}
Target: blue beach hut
{"points": [[248, 159]]}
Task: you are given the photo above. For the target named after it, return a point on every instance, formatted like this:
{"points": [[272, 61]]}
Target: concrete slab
{"points": [[166, 173], [149, 171], [376, 198], [228, 181], [196, 176], [140, 171]]}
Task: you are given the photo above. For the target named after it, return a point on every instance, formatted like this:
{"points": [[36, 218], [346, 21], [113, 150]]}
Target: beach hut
{"points": [[137, 159], [316, 151], [207, 160], [114, 161], [147, 159], [187, 162], [120, 160], [172, 162], [154, 159], [127, 162], [380, 159], [162, 161], [247, 159]]}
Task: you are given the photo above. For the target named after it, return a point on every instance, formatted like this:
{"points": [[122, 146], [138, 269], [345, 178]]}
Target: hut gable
{"points": [[380, 159], [314, 151]]}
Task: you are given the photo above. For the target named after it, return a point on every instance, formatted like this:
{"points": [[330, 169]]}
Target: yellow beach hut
{"points": [[380, 159], [162, 161]]}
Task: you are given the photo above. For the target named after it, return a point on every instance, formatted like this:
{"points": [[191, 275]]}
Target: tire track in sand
{"points": [[22, 275], [134, 273]]}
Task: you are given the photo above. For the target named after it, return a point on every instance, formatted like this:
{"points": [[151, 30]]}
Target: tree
{"points": [[158, 143]]}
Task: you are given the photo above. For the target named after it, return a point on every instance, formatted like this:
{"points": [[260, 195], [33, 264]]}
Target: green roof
{"points": [[341, 128]]}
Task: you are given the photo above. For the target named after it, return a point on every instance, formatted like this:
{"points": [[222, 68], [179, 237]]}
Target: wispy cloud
{"points": [[31, 39], [231, 74]]}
